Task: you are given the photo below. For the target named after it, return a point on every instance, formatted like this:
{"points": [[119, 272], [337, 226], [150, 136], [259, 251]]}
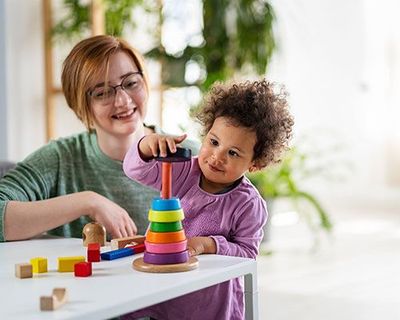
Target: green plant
{"points": [[118, 15], [283, 181], [238, 36]]}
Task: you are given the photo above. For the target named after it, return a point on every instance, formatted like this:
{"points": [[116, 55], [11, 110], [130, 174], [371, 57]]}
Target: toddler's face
{"points": [[225, 155]]}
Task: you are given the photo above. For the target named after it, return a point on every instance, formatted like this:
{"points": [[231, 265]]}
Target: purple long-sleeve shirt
{"points": [[233, 219]]}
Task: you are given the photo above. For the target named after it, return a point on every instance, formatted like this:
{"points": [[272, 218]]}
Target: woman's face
{"points": [[119, 112]]}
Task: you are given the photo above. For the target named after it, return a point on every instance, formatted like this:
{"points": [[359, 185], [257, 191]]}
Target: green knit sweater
{"points": [[69, 165]]}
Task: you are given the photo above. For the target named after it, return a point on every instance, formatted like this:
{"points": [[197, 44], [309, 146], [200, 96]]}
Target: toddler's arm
{"points": [[244, 237]]}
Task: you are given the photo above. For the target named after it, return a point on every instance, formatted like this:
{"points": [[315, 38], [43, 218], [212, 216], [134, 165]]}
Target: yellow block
{"points": [[39, 265], [66, 264]]}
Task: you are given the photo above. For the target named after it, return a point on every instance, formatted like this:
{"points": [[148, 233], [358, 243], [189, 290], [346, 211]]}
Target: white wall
{"points": [[332, 60], [337, 59], [25, 79]]}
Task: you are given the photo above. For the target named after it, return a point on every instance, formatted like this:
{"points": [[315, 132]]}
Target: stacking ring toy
{"points": [[159, 204], [166, 216], [165, 237], [167, 258], [165, 247], [166, 226]]}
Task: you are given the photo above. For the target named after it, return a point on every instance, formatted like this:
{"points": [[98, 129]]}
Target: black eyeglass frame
{"points": [[90, 91]]}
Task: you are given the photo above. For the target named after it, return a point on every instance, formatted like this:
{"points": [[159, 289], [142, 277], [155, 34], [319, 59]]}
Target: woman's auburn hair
{"points": [[87, 61]]}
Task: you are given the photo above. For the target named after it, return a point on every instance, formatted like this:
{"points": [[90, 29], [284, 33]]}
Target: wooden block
{"points": [[119, 243], [39, 265], [23, 270], [83, 269], [66, 264], [93, 252], [94, 232], [53, 302], [116, 254]]}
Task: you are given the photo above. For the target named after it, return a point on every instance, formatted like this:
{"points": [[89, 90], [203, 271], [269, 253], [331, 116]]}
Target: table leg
{"points": [[251, 295]]}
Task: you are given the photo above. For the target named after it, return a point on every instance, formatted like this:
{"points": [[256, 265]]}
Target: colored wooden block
{"points": [[66, 264], [83, 269], [39, 265], [119, 243], [165, 237], [23, 270], [53, 302], [116, 254], [93, 252], [166, 216], [123, 252]]}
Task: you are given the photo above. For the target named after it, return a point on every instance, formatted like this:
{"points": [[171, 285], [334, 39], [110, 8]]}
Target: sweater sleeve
{"points": [[145, 172], [247, 232], [31, 180]]}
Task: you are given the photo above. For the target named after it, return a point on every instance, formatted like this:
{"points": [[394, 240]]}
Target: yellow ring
{"points": [[166, 216]]}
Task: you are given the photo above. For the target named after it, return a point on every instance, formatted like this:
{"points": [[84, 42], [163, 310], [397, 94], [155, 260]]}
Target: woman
{"points": [[71, 181]]}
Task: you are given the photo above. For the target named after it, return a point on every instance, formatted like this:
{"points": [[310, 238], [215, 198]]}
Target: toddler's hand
{"points": [[156, 145], [200, 245]]}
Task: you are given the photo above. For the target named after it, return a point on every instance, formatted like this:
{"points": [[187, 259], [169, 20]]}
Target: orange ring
{"points": [[165, 237]]}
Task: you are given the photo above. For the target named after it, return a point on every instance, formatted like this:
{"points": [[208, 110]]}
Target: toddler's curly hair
{"points": [[256, 106]]}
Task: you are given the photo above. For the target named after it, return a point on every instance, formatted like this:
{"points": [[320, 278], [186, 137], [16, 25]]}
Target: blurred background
{"points": [[330, 249]]}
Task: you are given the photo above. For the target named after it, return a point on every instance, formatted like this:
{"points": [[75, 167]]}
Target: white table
{"points": [[115, 288]]}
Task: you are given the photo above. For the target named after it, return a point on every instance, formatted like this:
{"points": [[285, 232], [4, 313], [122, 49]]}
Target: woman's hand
{"points": [[114, 218], [200, 245], [157, 145]]}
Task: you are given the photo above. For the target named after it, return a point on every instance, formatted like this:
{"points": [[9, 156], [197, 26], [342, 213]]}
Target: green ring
{"points": [[166, 226]]}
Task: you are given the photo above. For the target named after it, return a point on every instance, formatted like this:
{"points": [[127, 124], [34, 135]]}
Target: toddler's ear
{"points": [[254, 168]]}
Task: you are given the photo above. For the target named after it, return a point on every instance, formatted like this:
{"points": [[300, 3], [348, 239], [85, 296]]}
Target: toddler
{"points": [[246, 126]]}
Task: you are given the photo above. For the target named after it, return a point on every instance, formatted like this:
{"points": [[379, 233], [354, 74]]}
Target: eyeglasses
{"points": [[131, 84]]}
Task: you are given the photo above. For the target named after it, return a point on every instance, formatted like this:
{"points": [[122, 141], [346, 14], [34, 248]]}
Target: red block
{"points": [[93, 252], [83, 269]]}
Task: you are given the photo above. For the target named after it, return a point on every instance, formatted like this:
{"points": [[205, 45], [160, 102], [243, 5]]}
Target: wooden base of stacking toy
{"points": [[140, 265]]}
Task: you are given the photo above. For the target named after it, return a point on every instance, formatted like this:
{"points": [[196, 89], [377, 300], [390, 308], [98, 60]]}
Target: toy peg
{"points": [[166, 183], [94, 232], [181, 154], [53, 302]]}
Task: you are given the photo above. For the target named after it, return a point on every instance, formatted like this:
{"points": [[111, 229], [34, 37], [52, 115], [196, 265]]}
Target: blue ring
{"points": [[159, 204]]}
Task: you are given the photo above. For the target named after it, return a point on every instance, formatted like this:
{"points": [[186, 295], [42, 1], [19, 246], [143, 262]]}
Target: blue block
{"points": [[159, 204], [116, 254]]}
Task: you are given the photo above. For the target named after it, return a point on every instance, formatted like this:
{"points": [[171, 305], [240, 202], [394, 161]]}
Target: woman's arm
{"points": [[24, 220]]}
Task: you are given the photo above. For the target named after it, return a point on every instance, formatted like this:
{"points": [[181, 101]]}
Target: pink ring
{"points": [[165, 247]]}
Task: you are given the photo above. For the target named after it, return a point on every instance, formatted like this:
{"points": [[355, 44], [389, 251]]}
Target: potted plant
{"points": [[283, 181]]}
